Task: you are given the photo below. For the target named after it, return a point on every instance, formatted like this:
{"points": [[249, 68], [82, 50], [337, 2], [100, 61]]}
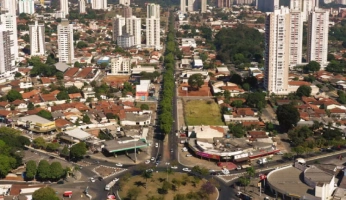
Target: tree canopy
{"points": [[196, 80], [45, 193], [303, 90], [13, 95], [288, 116], [77, 151], [312, 66]]}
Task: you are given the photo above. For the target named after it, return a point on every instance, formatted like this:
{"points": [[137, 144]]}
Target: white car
{"points": [[156, 145], [174, 167], [152, 159], [186, 170], [92, 180], [238, 167], [116, 179], [184, 149], [147, 161], [119, 165], [188, 155]]}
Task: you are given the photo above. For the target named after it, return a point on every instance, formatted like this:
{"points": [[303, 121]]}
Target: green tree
{"points": [[303, 90], [6, 164], [17, 75], [147, 175], [256, 99], [52, 146], [78, 150], [196, 80], [65, 152], [45, 114], [86, 119], [56, 171], [246, 86], [312, 66], [251, 171], [59, 75], [244, 181], [237, 130], [31, 169], [73, 89], [288, 116], [237, 103], [63, 95], [77, 64], [144, 107], [236, 78], [341, 97], [43, 170], [39, 143], [13, 95], [31, 106], [45, 193], [81, 45], [133, 193]]}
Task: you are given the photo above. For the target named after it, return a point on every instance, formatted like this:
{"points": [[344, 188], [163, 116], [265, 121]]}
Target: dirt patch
{"points": [[114, 80], [105, 171], [151, 189], [203, 91]]}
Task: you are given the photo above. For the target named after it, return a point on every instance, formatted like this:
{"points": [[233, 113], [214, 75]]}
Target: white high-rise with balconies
{"points": [[125, 2], [26, 6], [6, 65], [37, 41], [183, 6], [82, 6], [99, 4], [65, 41], [120, 66], [317, 46], [10, 6], [119, 29], [203, 6], [133, 27], [64, 8], [10, 23], [153, 26], [283, 46], [305, 6]]}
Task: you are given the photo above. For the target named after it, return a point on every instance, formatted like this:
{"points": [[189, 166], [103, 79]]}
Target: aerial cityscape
{"points": [[173, 99]]}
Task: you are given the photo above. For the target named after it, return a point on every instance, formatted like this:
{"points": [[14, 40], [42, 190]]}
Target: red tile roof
{"points": [[85, 72], [71, 72]]}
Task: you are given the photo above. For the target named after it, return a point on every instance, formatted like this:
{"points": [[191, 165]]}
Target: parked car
{"points": [[188, 155], [186, 170], [119, 165], [152, 158], [92, 180], [156, 145], [238, 167], [184, 149], [147, 161], [174, 167]]}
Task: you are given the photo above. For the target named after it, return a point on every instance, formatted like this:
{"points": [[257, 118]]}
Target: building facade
{"points": [[153, 26], [126, 41], [26, 6], [277, 36], [119, 29], [64, 8], [82, 6], [304, 6], [37, 41], [127, 12], [296, 38], [125, 2], [10, 23], [6, 65], [133, 27], [183, 6], [120, 66], [203, 6], [224, 3], [317, 45], [10, 6], [99, 4], [244, 2], [65, 41]]}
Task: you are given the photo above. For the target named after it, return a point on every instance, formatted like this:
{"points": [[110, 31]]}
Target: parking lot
{"points": [[36, 156]]}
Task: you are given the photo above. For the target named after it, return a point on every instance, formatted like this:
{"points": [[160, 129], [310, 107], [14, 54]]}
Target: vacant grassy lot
{"points": [[153, 184], [202, 112]]}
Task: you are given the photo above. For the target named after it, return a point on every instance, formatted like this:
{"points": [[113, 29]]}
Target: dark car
{"points": [[60, 182], [100, 178]]}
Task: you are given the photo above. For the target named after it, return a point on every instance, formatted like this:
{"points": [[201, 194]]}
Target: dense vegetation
{"points": [[165, 117], [239, 45]]}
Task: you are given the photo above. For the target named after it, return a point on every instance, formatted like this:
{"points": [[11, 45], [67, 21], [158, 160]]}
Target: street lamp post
{"points": [[167, 164]]}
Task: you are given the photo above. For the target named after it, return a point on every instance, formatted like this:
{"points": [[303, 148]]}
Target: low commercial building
{"points": [[136, 118], [105, 59], [120, 66], [142, 90], [188, 42], [36, 123], [124, 144]]}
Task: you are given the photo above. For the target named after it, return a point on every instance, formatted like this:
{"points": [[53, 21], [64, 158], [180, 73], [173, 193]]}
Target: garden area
{"points": [[202, 112], [152, 185]]}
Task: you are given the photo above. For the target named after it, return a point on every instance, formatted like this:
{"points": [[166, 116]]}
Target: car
{"points": [[188, 155], [119, 165], [149, 170], [279, 153], [174, 167], [97, 162], [116, 179], [238, 167], [152, 159], [186, 170], [60, 182], [184, 149], [212, 170], [156, 145], [100, 178], [92, 180], [157, 163], [171, 150], [147, 161]]}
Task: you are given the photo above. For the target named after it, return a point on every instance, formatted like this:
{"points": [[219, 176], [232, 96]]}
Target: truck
{"points": [[262, 161], [245, 166], [110, 184]]}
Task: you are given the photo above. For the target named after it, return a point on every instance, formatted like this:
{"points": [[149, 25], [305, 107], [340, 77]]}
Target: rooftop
{"points": [[137, 117], [124, 144], [34, 119], [78, 133]]}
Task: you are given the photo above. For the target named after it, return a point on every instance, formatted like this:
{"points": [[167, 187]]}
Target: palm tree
{"points": [[250, 171], [146, 175]]}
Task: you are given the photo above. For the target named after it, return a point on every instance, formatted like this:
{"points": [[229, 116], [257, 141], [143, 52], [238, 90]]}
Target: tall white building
{"points": [[153, 26], [153, 10], [296, 38], [183, 6], [99, 4], [82, 6], [10, 6], [65, 41], [119, 28], [120, 66], [317, 46], [10, 23], [6, 65], [277, 40], [125, 2], [305, 6], [64, 8], [26, 6], [37, 42], [203, 6], [133, 27]]}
